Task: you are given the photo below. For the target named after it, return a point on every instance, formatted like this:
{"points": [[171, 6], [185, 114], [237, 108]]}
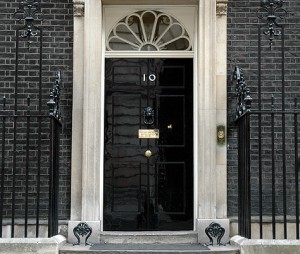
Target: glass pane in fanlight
{"points": [[123, 32], [162, 24], [172, 32], [117, 44], [148, 22], [135, 25], [180, 44]]}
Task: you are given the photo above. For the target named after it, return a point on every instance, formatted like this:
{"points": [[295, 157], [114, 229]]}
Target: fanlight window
{"points": [[149, 31]]}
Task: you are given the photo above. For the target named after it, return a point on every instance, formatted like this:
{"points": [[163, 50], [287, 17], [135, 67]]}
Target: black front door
{"points": [[148, 171]]}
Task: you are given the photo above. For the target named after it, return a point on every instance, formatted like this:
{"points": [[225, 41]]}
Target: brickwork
{"points": [[57, 27], [243, 51], [57, 54]]}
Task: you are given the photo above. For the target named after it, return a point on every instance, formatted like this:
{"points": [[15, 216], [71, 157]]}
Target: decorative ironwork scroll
{"points": [[53, 103], [270, 11], [29, 11], [82, 229], [214, 230], [243, 98]]}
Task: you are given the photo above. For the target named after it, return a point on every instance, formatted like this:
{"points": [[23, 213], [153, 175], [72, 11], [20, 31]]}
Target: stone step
{"points": [[148, 249], [150, 237]]}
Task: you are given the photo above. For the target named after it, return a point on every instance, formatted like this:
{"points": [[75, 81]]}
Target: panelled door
{"points": [[148, 171]]}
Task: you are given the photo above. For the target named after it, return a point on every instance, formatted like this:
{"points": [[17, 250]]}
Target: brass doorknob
{"points": [[148, 153]]}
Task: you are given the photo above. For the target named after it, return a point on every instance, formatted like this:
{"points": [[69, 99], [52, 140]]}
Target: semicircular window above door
{"points": [[148, 31]]}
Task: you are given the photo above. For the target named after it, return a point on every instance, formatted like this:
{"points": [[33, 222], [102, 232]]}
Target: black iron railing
{"points": [[268, 179], [268, 168], [55, 130], [30, 167], [29, 136]]}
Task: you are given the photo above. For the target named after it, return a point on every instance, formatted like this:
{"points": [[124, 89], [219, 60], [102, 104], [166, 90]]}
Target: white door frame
{"points": [[121, 12], [210, 110]]}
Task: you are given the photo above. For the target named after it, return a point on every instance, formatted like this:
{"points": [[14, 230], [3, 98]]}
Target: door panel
{"points": [[156, 192], [125, 123], [171, 119]]}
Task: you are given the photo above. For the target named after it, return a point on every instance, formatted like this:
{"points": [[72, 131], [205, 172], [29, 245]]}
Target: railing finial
{"points": [[269, 12], [53, 103], [29, 11], [243, 97]]}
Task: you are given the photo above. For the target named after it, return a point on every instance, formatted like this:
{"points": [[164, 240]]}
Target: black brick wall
{"points": [[57, 28], [57, 54], [243, 51]]}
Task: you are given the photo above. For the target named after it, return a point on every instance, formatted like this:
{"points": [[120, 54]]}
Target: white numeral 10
{"points": [[151, 77]]}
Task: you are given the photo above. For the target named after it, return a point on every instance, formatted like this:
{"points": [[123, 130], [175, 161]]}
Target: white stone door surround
{"points": [[210, 107]]}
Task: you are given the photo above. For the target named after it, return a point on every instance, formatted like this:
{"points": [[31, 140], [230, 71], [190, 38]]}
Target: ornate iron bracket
{"points": [[29, 11], [214, 230], [82, 229], [243, 98], [274, 11], [148, 116], [53, 103]]}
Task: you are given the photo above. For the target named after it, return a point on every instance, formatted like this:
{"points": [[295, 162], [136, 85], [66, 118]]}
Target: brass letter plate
{"points": [[145, 133]]}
